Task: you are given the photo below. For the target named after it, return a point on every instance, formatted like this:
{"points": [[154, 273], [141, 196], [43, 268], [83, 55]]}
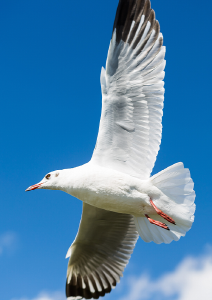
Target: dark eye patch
{"points": [[48, 176]]}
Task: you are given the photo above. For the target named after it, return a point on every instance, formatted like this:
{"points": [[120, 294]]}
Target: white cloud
{"points": [[47, 296], [7, 242], [191, 280]]}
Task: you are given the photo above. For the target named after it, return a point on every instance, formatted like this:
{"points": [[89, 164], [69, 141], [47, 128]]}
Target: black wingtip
{"points": [[127, 12], [74, 289]]}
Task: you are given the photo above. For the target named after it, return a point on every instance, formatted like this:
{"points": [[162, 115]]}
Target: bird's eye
{"points": [[48, 176]]}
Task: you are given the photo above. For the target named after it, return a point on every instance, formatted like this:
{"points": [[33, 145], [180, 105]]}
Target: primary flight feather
{"points": [[120, 199]]}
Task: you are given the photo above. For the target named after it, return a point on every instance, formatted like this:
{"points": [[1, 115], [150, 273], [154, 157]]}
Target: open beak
{"points": [[33, 187]]}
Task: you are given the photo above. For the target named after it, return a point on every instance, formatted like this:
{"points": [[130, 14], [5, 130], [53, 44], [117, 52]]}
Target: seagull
{"points": [[120, 199]]}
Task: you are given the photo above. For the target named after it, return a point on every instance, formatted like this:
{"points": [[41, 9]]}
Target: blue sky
{"points": [[51, 54]]}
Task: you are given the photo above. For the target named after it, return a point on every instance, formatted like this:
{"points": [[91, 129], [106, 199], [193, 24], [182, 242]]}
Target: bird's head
{"points": [[50, 181]]}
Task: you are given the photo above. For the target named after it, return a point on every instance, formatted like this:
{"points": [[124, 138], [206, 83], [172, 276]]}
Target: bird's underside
{"points": [[128, 141], [132, 88], [120, 199]]}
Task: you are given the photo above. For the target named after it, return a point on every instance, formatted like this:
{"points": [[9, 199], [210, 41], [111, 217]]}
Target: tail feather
{"points": [[176, 184]]}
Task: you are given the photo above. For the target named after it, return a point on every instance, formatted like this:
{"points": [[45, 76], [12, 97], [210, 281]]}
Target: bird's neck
{"points": [[69, 180]]}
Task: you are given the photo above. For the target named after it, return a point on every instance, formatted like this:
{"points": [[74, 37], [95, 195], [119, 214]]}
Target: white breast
{"points": [[111, 190]]}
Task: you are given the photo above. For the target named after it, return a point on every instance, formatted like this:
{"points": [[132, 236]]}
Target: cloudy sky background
{"points": [[51, 54]]}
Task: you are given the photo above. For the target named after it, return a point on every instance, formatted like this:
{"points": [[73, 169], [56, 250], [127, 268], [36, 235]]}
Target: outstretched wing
{"points": [[132, 92], [100, 252]]}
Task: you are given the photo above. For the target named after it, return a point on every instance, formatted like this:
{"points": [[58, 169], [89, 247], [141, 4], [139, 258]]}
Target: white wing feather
{"points": [[132, 97], [100, 252]]}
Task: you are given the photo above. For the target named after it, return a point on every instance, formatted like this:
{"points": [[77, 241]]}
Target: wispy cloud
{"points": [[8, 241], [191, 280], [47, 296]]}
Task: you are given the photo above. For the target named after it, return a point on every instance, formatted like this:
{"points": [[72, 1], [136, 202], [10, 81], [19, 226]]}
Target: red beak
{"points": [[33, 187]]}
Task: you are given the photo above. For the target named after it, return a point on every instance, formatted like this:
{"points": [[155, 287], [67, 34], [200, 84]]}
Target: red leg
{"points": [[162, 214], [160, 224]]}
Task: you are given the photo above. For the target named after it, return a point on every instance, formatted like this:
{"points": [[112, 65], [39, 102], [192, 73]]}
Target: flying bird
{"points": [[120, 199]]}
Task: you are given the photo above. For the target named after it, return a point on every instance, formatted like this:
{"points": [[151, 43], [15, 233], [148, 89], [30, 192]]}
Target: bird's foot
{"points": [[162, 214], [160, 224]]}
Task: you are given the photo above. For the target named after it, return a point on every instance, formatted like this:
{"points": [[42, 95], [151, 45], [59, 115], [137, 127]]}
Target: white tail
{"points": [[176, 183]]}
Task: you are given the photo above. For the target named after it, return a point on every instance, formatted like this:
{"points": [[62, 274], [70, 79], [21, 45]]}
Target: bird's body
{"points": [[120, 198], [108, 189]]}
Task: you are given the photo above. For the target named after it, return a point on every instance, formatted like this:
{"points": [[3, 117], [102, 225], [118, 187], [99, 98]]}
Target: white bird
{"points": [[120, 199]]}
